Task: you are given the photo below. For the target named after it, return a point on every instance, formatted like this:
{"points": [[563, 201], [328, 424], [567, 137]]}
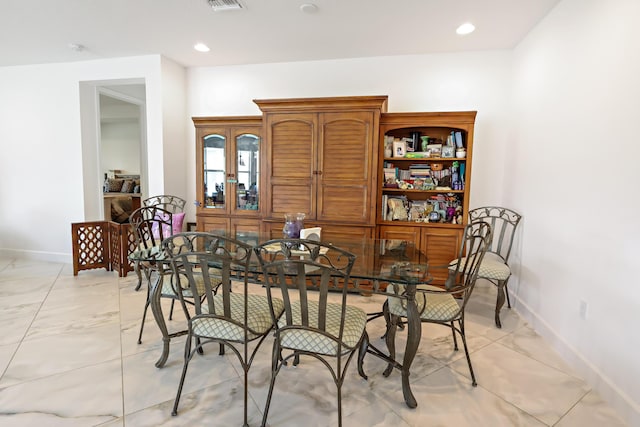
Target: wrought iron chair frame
{"points": [[217, 260], [151, 225], [296, 266], [173, 204], [460, 283], [504, 223]]}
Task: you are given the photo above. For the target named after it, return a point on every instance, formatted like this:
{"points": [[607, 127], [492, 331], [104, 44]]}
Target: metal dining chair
{"points": [[311, 325], [233, 318], [495, 266], [443, 306], [173, 204], [151, 226]]}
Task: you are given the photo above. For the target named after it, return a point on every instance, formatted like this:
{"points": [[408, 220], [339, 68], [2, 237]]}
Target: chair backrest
{"points": [[464, 272], [293, 267], [208, 263], [503, 224], [173, 204], [151, 225]]}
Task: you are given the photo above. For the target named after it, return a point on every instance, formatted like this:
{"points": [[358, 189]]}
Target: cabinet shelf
{"points": [[424, 159], [420, 224], [400, 190]]}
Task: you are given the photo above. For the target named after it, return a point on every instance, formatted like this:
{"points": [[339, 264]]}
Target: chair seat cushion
{"points": [[492, 267], [168, 291], [439, 306], [316, 342], [258, 318]]}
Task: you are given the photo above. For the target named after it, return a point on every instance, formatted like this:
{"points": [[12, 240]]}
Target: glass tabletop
{"points": [[377, 260]]}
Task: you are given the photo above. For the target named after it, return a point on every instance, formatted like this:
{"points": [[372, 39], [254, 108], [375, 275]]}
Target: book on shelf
{"points": [[390, 174], [384, 207], [458, 139]]}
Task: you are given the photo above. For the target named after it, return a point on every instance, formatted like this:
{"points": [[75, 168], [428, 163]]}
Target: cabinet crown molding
{"points": [[320, 104]]}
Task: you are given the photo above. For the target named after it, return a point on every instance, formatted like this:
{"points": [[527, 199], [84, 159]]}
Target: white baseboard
{"points": [[37, 255], [608, 391]]}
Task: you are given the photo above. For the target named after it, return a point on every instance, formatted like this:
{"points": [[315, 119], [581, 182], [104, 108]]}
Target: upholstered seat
{"points": [[258, 318], [495, 266], [434, 306], [313, 341]]}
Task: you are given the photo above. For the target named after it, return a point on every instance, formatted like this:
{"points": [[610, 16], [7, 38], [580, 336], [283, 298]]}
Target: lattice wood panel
{"points": [[102, 244], [90, 246]]}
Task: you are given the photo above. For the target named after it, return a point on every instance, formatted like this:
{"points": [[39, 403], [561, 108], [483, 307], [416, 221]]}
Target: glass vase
{"points": [[293, 223]]}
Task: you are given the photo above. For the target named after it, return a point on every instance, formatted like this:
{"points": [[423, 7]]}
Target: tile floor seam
{"points": [[31, 323], [545, 363]]}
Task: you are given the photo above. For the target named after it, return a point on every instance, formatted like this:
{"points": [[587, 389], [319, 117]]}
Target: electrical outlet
{"points": [[584, 308]]}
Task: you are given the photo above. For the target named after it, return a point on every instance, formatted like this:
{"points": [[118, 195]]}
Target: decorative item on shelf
{"points": [[397, 209], [448, 151], [451, 212], [293, 223], [434, 216], [435, 150], [399, 148], [425, 143], [461, 153], [415, 141], [388, 146]]}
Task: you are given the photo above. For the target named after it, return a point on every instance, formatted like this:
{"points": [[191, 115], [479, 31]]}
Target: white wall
{"points": [[120, 146], [176, 140], [444, 82], [573, 175], [41, 161]]}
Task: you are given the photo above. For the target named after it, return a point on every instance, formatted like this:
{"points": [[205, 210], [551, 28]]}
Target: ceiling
{"points": [[264, 31]]}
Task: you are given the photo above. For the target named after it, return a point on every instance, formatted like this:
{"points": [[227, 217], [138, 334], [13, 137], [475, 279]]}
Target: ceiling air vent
{"points": [[222, 5]]}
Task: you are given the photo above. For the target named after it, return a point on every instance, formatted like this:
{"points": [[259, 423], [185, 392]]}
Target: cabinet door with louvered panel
{"points": [[345, 159], [290, 163]]}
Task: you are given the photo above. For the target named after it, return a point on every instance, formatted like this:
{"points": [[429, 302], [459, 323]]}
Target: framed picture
{"points": [[434, 150], [399, 148], [448, 151]]}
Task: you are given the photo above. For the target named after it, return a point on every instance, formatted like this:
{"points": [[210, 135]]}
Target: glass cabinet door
{"points": [[215, 173], [247, 171]]}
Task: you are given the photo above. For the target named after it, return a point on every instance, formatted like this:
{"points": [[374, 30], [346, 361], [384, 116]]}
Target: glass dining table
{"points": [[379, 265]]}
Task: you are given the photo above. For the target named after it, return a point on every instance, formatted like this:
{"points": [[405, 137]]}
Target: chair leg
{"points": [[275, 358], [340, 404], [455, 339], [362, 351], [136, 269], [466, 352], [171, 309], [499, 303], [391, 341], [506, 292], [187, 358], [144, 313]]}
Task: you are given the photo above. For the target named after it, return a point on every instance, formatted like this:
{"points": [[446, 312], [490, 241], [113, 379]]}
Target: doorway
{"points": [[113, 116]]}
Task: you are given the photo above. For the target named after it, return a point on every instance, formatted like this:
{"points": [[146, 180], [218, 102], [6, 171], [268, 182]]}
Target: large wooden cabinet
{"points": [[228, 165], [330, 158], [440, 238], [321, 159]]}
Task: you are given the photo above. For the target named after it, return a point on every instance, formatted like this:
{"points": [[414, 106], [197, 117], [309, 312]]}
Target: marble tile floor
{"points": [[69, 357]]}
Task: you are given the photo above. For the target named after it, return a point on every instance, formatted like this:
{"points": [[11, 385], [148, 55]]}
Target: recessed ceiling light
{"points": [[465, 28], [201, 47]]}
